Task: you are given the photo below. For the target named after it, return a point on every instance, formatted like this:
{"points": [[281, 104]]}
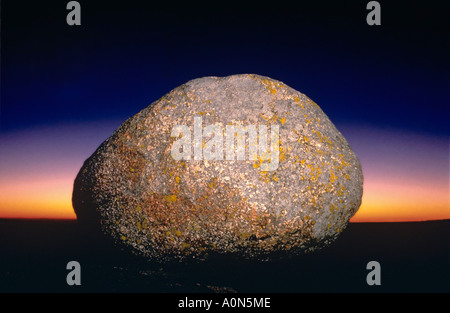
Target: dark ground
{"points": [[414, 257]]}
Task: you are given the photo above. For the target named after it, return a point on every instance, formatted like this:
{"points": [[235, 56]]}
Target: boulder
{"points": [[242, 165]]}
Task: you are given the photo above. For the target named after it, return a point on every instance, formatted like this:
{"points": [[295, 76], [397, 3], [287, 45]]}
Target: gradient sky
{"points": [[66, 89]]}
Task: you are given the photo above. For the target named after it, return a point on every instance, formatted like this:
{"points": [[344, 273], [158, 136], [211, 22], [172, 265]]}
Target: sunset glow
{"points": [[402, 181], [387, 202], [37, 199]]}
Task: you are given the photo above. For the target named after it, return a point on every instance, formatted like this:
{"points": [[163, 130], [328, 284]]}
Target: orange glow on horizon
{"points": [[387, 202], [382, 202], [37, 199]]}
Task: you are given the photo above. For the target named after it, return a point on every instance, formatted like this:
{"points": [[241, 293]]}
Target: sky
{"points": [[65, 89]]}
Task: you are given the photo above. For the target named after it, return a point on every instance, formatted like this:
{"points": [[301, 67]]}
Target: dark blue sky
{"points": [[127, 54]]}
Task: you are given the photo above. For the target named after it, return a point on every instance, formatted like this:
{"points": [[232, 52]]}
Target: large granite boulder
{"points": [[240, 165]]}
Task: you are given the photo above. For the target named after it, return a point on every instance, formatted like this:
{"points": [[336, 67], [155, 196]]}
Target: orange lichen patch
{"points": [[316, 171], [270, 120], [214, 182], [298, 102], [282, 155], [333, 208], [271, 85], [171, 198], [258, 162], [332, 176], [265, 176]]}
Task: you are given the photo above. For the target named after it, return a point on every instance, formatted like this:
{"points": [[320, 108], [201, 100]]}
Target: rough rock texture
{"points": [[139, 191]]}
